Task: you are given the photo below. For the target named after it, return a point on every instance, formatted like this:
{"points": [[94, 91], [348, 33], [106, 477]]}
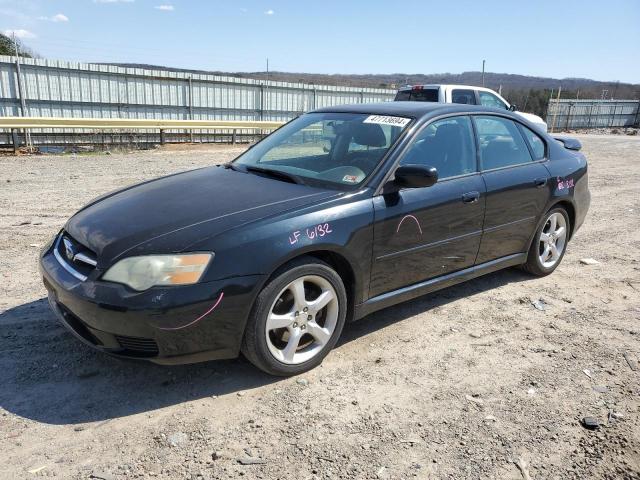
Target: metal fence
{"points": [[48, 88], [577, 114]]}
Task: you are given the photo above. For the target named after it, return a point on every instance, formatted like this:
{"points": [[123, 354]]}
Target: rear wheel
{"points": [[296, 319], [549, 244]]}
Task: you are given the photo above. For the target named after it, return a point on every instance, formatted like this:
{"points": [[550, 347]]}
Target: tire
{"points": [[542, 239], [278, 318]]}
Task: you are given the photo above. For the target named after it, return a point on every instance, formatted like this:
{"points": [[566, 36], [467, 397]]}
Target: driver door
{"points": [[422, 233]]}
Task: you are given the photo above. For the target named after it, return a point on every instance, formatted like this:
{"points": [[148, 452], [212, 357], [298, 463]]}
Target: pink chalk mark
{"points": [[295, 236], [565, 184], [411, 217], [199, 318]]}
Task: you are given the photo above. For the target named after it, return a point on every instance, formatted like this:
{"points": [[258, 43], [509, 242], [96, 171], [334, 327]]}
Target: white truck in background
{"points": [[465, 94]]}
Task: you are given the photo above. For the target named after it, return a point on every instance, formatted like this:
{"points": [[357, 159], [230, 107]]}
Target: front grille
{"points": [[142, 347], [74, 257]]}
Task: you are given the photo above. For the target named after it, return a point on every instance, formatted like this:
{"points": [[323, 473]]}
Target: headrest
{"points": [[449, 132], [369, 134]]}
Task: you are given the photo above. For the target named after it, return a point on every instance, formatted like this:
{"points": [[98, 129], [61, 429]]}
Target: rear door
{"points": [[517, 183], [421, 233]]}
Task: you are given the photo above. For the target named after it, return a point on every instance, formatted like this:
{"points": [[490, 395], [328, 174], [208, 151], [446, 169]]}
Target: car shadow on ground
{"points": [[50, 377]]}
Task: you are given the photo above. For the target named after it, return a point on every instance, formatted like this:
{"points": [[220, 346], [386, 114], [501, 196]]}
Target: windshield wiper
{"points": [[231, 166], [289, 177]]}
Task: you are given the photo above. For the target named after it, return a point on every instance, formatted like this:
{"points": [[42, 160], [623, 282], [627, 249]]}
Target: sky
{"points": [[549, 38]]}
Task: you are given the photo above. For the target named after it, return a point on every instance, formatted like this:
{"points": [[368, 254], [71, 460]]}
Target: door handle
{"points": [[470, 197], [540, 182]]}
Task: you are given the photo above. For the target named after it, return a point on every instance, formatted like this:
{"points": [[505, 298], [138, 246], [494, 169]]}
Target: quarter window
{"points": [[467, 97], [501, 144], [490, 100], [535, 142], [447, 144]]}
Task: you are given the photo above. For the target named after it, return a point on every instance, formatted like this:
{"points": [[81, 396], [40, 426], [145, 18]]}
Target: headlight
{"points": [[141, 273]]}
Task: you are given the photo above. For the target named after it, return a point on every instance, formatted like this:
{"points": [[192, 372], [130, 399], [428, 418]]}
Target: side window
{"points": [[535, 142], [490, 100], [501, 143], [447, 144], [467, 97]]}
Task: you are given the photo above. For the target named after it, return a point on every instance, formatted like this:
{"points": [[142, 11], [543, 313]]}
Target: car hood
{"points": [[170, 213]]}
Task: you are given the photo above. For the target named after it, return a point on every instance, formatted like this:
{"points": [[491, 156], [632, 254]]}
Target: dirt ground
{"points": [[473, 382]]}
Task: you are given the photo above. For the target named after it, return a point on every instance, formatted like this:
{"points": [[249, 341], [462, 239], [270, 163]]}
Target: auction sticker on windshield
{"points": [[387, 120]]}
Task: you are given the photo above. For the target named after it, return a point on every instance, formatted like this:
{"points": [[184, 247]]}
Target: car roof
{"points": [[445, 85], [411, 109]]}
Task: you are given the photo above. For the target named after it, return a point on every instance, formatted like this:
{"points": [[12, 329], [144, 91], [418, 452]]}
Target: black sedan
{"points": [[340, 212]]}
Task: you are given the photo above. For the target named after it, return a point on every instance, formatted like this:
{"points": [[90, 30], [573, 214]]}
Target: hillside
{"points": [[492, 80]]}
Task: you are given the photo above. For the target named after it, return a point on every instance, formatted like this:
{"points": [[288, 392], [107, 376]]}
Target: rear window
{"points": [[422, 95]]}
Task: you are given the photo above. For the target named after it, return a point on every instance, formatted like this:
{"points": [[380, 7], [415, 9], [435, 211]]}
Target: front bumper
{"points": [[167, 325]]}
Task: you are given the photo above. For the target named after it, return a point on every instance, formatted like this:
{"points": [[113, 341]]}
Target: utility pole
{"points": [[483, 73], [267, 85], [615, 90], [23, 102], [190, 80], [555, 112]]}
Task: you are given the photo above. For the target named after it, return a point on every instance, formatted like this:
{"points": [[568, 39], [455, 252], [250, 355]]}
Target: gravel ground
{"points": [[472, 382]]}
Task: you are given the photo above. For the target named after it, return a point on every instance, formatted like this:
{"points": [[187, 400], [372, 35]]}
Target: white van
{"points": [[463, 94]]}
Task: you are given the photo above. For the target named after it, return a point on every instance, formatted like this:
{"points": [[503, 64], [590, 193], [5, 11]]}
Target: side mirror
{"points": [[415, 176], [513, 107]]}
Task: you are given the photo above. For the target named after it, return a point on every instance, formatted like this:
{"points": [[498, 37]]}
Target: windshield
{"points": [[325, 149]]}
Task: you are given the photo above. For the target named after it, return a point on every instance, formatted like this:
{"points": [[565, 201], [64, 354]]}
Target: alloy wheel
{"points": [[302, 319], [553, 239]]}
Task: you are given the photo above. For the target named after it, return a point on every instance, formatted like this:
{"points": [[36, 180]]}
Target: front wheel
{"points": [[297, 318], [550, 243]]}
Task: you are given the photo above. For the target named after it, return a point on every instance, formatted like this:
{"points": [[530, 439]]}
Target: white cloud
{"points": [[58, 17], [269, 12], [20, 33], [165, 8]]}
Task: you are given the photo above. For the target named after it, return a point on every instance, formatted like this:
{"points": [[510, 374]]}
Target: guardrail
{"points": [[25, 123]]}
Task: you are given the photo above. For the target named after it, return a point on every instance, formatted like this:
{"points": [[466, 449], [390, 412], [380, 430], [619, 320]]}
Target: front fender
{"points": [[340, 227]]}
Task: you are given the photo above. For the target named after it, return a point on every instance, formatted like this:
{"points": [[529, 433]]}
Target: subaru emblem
{"points": [[68, 249]]}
